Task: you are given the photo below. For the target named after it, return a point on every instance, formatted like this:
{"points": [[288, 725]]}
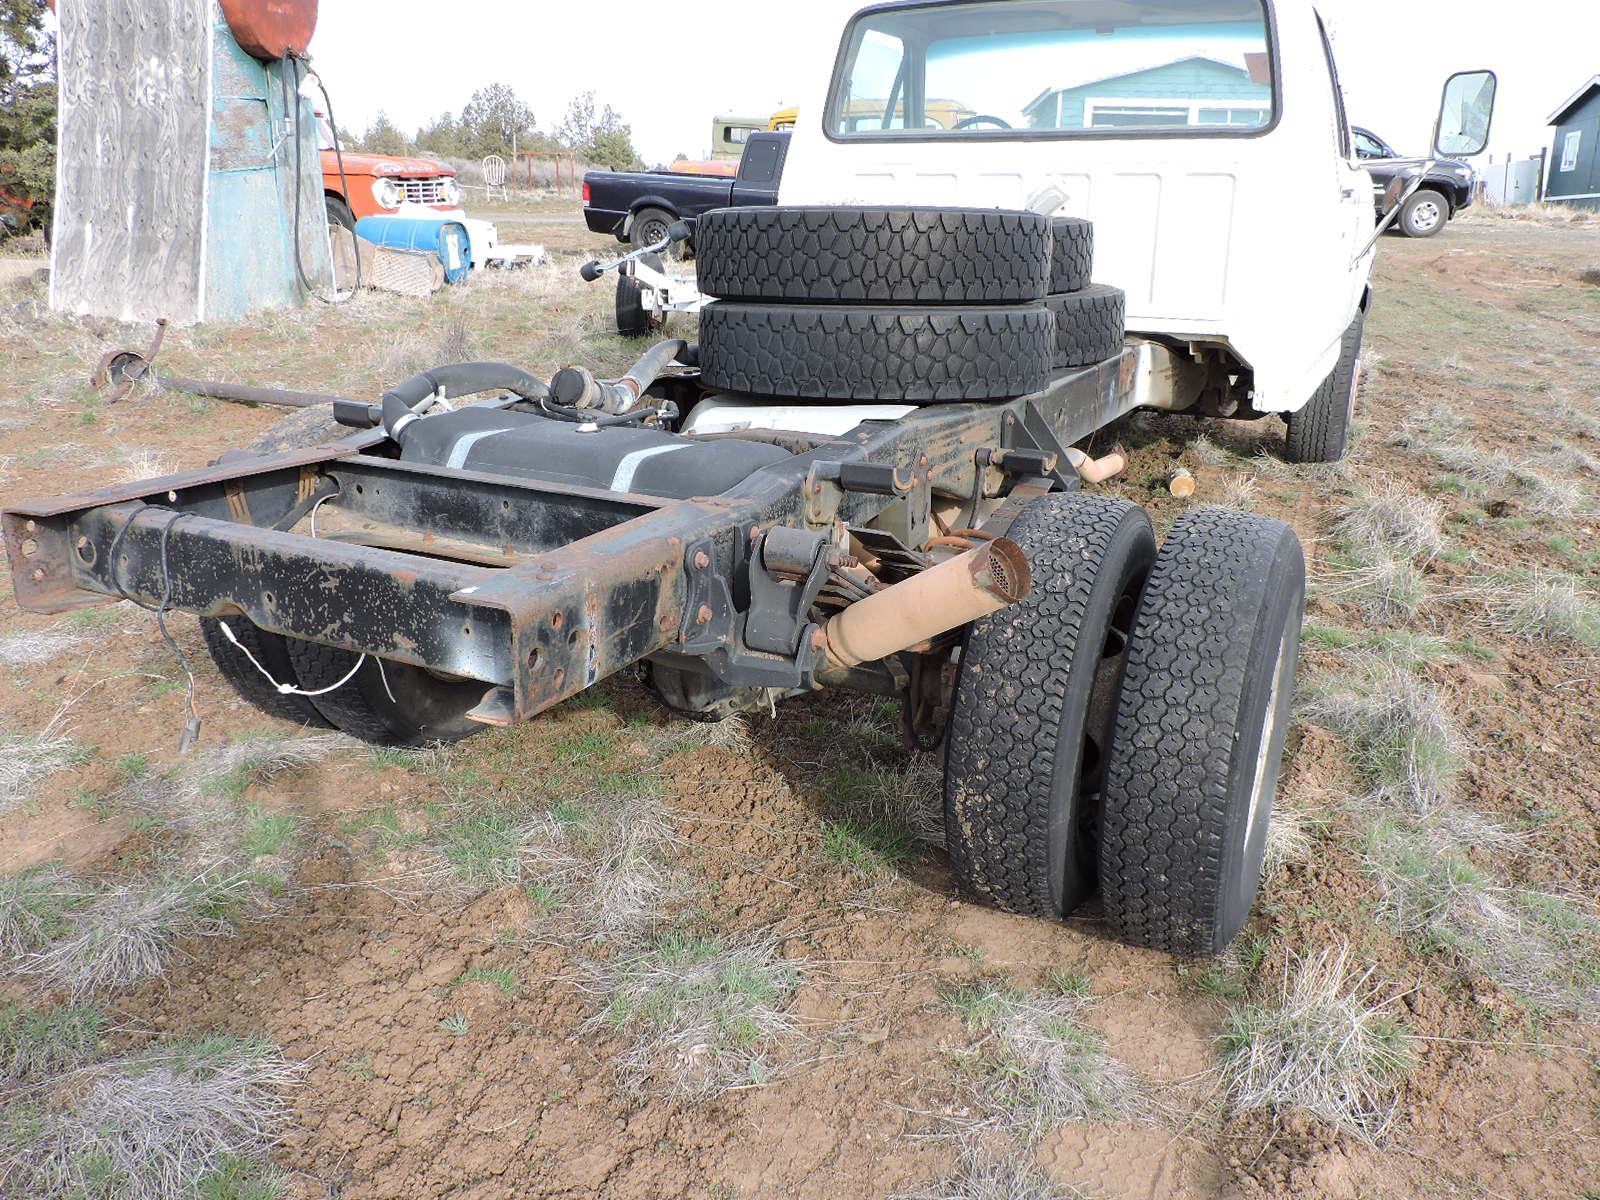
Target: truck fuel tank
{"points": [[625, 458]]}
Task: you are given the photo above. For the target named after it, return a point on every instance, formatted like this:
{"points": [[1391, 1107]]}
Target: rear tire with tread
{"points": [[425, 709], [272, 653], [1030, 721], [1206, 698], [1320, 432]]}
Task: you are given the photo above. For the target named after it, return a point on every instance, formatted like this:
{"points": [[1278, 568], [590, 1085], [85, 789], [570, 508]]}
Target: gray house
{"points": [[1575, 158]]}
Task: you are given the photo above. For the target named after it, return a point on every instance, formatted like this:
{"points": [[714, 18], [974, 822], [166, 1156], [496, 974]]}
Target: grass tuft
{"points": [[702, 1015], [1404, 742], [1324, 1044], [35, 1042], [599, 868], [1238, 491], [1546, 948], [26, 760], [127, 933], [983, 1175], [185, 1120], [1039, 1065], [210, 785], [1391, 521], [28, 649], [34, 909], [1539, 605]]}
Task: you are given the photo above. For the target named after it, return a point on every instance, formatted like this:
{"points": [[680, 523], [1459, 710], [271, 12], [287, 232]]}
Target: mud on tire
{"points": [[1034, 695], [891, 256], [1201, 716]]}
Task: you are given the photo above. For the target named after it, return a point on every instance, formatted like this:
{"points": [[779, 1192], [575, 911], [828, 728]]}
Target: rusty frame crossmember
{"points": [[538, 589]]}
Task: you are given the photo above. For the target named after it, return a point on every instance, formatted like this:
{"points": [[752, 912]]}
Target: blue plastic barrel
{"points": [[445, 239]]}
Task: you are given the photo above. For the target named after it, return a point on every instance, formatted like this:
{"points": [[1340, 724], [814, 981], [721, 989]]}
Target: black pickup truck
{"points": [[1446, 191], [639, 206]]}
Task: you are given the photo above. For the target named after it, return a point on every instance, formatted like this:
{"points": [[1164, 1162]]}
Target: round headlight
{"points": [[387, 193], [452, 190]]}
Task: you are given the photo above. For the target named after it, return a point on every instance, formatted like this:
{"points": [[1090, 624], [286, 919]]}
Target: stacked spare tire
{"points": [[906, 305]]}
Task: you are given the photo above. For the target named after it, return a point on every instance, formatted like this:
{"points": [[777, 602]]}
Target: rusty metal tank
{"points": [[272, 29]]}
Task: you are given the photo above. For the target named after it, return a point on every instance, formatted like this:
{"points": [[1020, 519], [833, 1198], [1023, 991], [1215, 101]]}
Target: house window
{"points": [[989, 69], [1108, 113], [1569, 150]]}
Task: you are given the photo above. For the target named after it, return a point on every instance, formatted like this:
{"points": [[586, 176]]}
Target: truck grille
{"points": [[423, 191]]}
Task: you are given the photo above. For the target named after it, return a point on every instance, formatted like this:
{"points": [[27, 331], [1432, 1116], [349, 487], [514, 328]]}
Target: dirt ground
{"points": [[523, 1097]]}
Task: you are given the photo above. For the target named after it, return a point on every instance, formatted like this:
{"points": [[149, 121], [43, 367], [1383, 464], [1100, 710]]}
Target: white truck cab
{"points": [[1206, 139]]}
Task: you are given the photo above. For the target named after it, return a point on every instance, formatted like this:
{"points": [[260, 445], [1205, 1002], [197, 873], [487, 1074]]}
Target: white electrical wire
{"points": [[288, 689]]}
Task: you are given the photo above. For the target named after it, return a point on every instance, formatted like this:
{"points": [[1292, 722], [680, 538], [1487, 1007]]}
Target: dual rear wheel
{"points": [[1122, 728]]}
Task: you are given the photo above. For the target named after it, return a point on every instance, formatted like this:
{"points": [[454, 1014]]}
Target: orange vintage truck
{"points": [[378, 184]]}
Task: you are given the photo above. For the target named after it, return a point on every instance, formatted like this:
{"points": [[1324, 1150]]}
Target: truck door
{"points": [[1352, 191], [760, 170]]}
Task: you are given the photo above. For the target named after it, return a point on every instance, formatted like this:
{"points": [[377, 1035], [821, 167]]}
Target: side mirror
{"points": [[1466, 114]]}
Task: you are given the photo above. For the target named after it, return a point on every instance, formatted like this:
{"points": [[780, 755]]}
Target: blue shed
{"points": [[1575, 158], [1191, 91]]}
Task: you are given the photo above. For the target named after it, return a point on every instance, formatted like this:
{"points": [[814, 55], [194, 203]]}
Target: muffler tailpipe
{"points": [[1098, 470], [942, 598]]}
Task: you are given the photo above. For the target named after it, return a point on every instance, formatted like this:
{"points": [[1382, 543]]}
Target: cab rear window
{"points": [[1056, 67]]}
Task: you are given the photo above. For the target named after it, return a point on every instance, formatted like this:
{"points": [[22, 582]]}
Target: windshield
{"points": [[1056, 67]]}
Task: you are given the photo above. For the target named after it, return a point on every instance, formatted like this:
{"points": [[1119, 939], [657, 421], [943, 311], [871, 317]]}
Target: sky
{"points": [[756, 56]]}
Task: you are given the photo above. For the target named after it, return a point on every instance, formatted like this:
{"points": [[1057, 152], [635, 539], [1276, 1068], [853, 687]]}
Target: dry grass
{"points": [[127, 933], [166, 1123], [1288, 840], [141, 462], [1402, 738], [1484, 468], [1538, 605], [28, 649], [1392, 522], [1554, 497], [700, 1015], [38, 1042], [1238, 491], [1038, 1065], [1207, 453], [34, 907], [208, 785], [1544, 947], [26, 760], [1324, 1044], [731, 734], [452, 341], [597, 871], [1386, 535], [981, 1174]]}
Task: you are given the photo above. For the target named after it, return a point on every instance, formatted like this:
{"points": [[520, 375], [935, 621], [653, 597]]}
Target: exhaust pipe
{"points": [[942, 598], [576, 387]]}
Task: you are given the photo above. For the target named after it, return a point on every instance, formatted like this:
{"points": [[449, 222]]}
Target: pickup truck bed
{"points": [[615, 201]]}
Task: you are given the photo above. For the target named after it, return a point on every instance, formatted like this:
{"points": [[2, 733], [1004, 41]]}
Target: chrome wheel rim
{"points": [[1425, 217], [1266, 779]]}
